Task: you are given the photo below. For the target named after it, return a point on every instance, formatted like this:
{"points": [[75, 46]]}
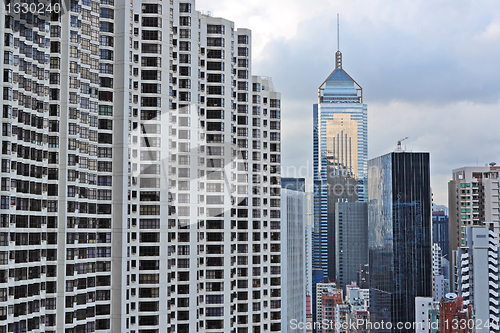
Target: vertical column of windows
{"points": [[183, 167], [29, 150], [89, 179], [274, 144], [134, 223], [146, 135], [248, 266]]}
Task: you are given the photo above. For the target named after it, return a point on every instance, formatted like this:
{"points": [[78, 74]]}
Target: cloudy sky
{"points": [[430, 71]]}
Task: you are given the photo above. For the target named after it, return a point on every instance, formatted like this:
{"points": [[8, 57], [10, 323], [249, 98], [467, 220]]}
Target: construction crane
{"points": [[398, 148]]}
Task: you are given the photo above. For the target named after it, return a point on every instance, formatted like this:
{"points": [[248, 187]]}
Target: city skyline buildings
{"points": [[472, 200], [384, 70], [179, 169]]}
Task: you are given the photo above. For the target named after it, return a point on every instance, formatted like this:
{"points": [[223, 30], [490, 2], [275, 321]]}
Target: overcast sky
{"points": [[430, 71]]}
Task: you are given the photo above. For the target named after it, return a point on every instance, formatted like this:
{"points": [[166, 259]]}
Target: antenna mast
{"points": [[338, 55], [338, 33]]}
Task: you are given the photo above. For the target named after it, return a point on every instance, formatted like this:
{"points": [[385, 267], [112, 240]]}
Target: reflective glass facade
{"points": [[399, 215], [340, 152]]}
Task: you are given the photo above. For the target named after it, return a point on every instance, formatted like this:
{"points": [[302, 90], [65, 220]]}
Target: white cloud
{"points": [[429, 71]]}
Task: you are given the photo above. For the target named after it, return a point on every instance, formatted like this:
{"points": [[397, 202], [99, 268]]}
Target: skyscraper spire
{"points": [[338, 33], [338, 55]]}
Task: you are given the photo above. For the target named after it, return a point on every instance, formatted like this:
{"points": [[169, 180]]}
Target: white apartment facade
{"points": [[309, 235], [293, 229], [479, 277], [140, 173], [441, 285], [422, 317]]}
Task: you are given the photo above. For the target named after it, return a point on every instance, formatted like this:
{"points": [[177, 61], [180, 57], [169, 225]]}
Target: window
{"points": [[106, 40], [184, 7], [106, 26], [185, 21], [151, 22], [215, 29], [107, 13], [105, 54], [242, 39], [215, 41], [149, 210], [185, 33]]}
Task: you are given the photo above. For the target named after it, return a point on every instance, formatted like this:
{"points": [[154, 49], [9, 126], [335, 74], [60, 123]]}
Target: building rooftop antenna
{"points": [[398, 147], [338, 55], [338, 33]]}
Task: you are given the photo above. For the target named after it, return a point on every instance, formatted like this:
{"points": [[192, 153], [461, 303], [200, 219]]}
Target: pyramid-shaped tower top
{"points": [[340, 87]]}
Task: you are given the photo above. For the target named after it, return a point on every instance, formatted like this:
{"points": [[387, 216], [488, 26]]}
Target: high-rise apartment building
{"points": [[473, 198], [140, 173], [440, 268], [335, 294], [478, 275], [399, 223], [340, 153]]}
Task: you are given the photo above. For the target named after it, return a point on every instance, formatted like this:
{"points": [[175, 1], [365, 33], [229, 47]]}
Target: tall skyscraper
{"points": [[399, 223], [473, 198], [293, 236], [140, 173], [340, 155]]}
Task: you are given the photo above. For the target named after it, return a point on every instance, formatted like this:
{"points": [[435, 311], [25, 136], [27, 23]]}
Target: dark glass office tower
{"points": [[440, 232], [399, 223]]}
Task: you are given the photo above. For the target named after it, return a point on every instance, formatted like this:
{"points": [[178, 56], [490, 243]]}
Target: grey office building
{"points": [[351, 232]]}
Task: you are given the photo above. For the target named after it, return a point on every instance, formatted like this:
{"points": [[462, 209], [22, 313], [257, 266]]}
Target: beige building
{"points": [[473, 198]]}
